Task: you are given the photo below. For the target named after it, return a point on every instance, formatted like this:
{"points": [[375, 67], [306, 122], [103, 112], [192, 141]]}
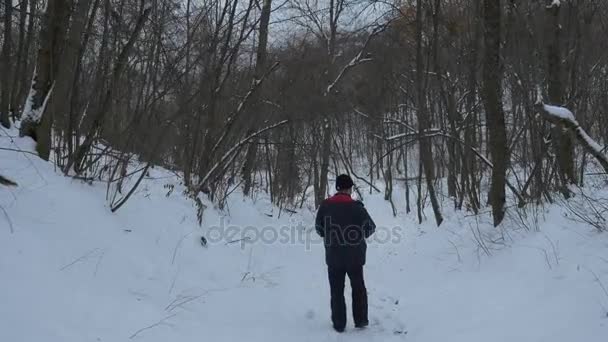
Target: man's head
{"points": [[344, 184]]}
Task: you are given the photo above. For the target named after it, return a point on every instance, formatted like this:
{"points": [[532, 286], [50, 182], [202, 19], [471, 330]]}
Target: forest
{"points": [[481, 104]]}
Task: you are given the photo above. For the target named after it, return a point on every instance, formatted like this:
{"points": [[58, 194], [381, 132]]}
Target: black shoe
{"points": [[339, 329], [361, 325]]}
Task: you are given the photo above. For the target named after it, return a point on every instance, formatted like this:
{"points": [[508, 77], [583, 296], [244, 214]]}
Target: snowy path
{"points": [[72, 272]]}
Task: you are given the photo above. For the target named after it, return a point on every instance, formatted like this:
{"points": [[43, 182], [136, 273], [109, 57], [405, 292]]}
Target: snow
{"points": [[560, 112], [29, 113], [592, 143], [554, 3], [400, 135], [565, 114], [72, 271]]}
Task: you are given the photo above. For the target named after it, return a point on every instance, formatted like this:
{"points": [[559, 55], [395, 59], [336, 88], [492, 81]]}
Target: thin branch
{"points": [[359, 58], [255, 85], [152, 326], [232, 150], [126, 198], [10, 223], [439, 133]]}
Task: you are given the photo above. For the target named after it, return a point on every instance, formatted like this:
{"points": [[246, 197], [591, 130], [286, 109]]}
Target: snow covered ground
{"points": [[72, 271]]}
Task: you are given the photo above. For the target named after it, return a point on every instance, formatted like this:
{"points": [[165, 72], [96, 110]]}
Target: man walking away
{"points": [[344, 224]]}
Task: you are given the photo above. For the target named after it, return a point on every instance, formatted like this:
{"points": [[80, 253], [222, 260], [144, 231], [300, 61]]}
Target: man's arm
{"points": [[319, 226], [368, 225]]}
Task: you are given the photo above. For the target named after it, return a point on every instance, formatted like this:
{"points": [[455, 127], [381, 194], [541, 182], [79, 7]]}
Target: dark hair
{"points": [[344, 182]]}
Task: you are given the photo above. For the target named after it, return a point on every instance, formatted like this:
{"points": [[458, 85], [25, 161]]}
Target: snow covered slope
{"points": [[72, 271]]}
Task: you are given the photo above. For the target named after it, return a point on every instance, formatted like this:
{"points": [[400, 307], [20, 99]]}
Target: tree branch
{"points": [[232, 150]]}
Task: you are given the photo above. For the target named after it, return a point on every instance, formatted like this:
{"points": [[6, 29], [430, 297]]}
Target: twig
{"points": [[179, 243], [554, 248], [232, 117], [358, 59], [151, 326], [17, 150], [479, 240], [457, 252], [599, 281], [98, 262], [10, 223], [79, 259], [174, 281], [246, 238], [126, 198], [184, 300]]}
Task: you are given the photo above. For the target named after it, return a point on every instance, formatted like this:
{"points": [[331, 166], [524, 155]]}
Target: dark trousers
{"points": [[338, 305]]}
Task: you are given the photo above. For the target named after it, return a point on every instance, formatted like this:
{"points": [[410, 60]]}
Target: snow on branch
{"points": [[399, 122], [255, 84], [360, 58], [563, 116], [554, 3], [559, 112], [425, 134]]}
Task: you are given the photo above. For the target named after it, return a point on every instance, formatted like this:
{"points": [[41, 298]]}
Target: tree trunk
{"points": [[563, 143], [119, 67], [492, 98], [324, 168], [59, 104], [21, 58], [426, 153], [25, 74], [5, 81], [260, 65], [52, 35]]}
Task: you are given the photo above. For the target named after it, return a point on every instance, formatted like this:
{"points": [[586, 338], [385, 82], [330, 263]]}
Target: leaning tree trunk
{"points": [[492, 98]]}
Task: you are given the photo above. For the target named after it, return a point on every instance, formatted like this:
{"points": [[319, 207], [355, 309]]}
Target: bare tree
{"points": [[52, 35], [562, 139], [425, 151], [388, 93], [492, 97], [6, 65], [260, 65]]}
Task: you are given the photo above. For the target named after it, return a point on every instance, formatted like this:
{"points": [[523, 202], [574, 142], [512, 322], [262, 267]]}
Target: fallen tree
{"points": [[564, 117]]}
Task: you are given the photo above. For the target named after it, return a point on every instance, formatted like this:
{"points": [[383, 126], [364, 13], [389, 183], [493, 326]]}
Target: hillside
{"points": [[72, 271]]}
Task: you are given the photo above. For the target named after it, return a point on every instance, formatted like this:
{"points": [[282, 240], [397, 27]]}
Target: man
{"points": [[344, 224]]}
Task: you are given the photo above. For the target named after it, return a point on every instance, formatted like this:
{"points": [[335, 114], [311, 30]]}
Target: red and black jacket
{"points": [[344, 225]]}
